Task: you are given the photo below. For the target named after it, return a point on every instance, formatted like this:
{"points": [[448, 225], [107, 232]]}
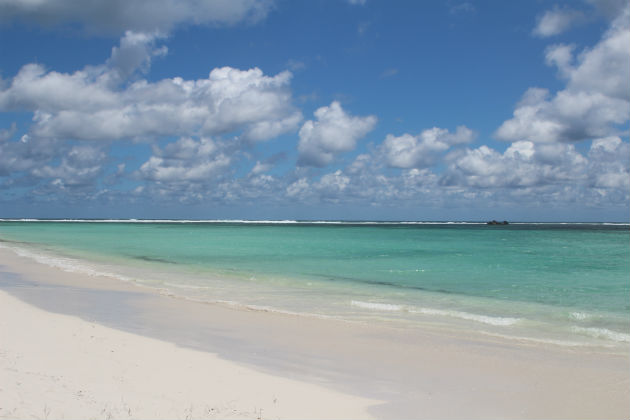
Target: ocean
{"points": [[557, 283]]}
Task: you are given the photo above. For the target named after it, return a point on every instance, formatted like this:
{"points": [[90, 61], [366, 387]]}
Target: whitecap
{"points": [[376, 306], [603, 333], [579, 316], [485, 319]]}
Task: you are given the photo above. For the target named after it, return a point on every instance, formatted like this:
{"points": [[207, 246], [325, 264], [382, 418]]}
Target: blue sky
{"points": [[331, 109]]}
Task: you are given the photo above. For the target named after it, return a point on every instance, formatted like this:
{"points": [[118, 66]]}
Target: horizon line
{"points": [[292, 221]]}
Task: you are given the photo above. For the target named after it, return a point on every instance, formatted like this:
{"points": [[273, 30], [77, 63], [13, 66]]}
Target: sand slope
{"points": [[57, 366]]}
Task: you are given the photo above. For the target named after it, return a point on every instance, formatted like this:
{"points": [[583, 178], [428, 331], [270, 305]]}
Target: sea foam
{"points": [[485, 319], [579, 316], [69, 265], [603, 333], [377, 306]]}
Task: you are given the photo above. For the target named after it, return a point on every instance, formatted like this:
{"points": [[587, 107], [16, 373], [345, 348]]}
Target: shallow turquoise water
{"points": [[561, 282]]}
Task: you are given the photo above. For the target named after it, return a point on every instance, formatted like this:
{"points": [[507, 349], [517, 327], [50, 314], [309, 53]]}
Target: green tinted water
{"points": [[575, 278]]}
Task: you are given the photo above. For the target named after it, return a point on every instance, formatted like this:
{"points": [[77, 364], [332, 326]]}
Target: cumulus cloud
{"points": [[360, 182], [561, 56], [409, 151], [81, 166], [334, 132], [95, 104], [596, 100], [51, 169], [556, 21], [113, 101], [190, 170], [333, 183], [260, 167], [134, 53], [116, 16], [185, 161], [526, 173], [298, 188], [523, 164], [609, 164], [26, 154]]}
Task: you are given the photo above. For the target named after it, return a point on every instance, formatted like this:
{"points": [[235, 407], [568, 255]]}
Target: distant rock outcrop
{"points": [[494, 222]]}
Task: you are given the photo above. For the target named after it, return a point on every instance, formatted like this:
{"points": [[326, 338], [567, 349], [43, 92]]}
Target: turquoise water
{"points": [[562, 283]]}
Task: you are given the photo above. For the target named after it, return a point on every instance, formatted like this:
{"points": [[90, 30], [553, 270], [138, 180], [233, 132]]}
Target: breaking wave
{"points": [[485, 319]]}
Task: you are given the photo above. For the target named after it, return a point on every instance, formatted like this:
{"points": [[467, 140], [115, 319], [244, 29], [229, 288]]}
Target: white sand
{"points": [[58, 366]]}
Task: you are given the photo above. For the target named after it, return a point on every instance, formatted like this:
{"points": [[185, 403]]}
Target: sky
{"points": [[322, 109]]}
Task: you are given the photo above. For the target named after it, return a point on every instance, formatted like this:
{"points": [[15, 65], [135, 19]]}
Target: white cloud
{"points": [[596, 100], [297, 188], [526, 174], [268, 129], [260, 167], [116, 16], [556, 21], [81, 166], [185, 161], [334, 132], [26, 154], [51, 170], [199, 170], [609, 164], [34, 89], [333, 183], [523, 164], [134, 53], [95, 104], [561, 56], [409, 151]]}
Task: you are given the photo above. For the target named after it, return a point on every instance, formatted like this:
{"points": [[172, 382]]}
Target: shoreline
{"points": [[414, 374], [475, 315]]}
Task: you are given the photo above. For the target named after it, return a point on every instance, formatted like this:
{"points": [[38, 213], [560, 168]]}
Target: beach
{"points": [[350, 209], [56, 366], [91, 346]]}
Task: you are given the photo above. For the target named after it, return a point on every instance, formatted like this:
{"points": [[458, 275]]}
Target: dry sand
{"points": [[58, 366], [74, 346]]}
